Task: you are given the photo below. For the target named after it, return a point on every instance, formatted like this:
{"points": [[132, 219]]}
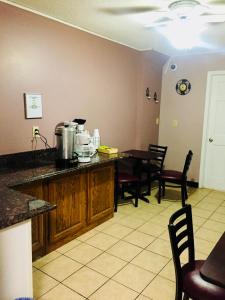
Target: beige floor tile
{"points": [[208, 235], [107, 264], [131, 221], [199, 212], [139, 238], [46, 259], [102, 241], [150, 261], [42, 283], [161, 247], [118, 231], [217, 195], [198, 221], [152, 229], [143, 215], [114, 291], [208, 206], [165, 235], [211, 200], [160, 220], [83, 253], [124, 250], [127, 208], [215, 226], [220, 210], [203, 246], [61, 292], [68, 246], [61, 268], [168, 271], [218, 217], [134, 277], [160, 289], [85, 281], [87, 235], [104, 225], [142, 297]]}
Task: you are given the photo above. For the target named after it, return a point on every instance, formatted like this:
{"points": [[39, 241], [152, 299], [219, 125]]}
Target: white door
{"points": [[213, 147]]}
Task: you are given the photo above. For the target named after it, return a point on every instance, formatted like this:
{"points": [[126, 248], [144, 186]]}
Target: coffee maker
{"points": [[65, 136], [83, 145]]}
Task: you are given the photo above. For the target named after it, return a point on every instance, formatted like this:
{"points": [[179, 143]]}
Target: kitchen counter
{"points": [[23, 168]]}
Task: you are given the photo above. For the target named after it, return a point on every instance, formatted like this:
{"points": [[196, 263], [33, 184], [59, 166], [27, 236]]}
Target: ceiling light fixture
{"points": [[184, 33]]}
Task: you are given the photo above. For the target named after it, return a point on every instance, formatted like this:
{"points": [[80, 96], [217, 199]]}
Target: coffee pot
{"points": [[65, 138]]}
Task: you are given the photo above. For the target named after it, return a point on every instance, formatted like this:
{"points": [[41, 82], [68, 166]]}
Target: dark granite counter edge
{"points": [[11, 212]]}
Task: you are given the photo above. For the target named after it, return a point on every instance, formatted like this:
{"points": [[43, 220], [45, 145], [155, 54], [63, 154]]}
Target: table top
{"points": [[142, 154], [213, 269]]}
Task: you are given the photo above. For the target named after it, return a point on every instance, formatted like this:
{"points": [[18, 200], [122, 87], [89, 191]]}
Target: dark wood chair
{"points": [[126, 181], [176, 177], [189, 283], [154, 167]]}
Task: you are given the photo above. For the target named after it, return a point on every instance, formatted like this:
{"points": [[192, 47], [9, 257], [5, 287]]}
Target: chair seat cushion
{"points": [[171, 175], [127, 178], [198, 288]]}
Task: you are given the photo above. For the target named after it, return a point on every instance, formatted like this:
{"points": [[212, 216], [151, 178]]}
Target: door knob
{"points": [[210, 140]]}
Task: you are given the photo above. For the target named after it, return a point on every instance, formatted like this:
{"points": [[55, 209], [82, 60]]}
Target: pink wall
{"points": [[147, 110], [187, 110], [78, 74]]}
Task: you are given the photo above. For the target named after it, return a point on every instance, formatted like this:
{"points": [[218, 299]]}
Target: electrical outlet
{"points": [[35, 131]]}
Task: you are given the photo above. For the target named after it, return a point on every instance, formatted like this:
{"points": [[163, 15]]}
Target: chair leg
{"points": [[122, 191], [164, 187], [183, 194], [159, 192], [136, 194], [186, 194]]}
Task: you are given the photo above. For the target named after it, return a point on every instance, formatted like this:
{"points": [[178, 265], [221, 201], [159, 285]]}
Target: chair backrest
{"points": [[187, 164], [161, 150], [181, 238]]}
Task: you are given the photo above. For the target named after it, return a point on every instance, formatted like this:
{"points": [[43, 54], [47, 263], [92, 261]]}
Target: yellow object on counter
{"points": [[107, 150]]}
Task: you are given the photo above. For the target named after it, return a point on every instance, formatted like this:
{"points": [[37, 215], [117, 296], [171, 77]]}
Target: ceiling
{"points": [[128, 28]]}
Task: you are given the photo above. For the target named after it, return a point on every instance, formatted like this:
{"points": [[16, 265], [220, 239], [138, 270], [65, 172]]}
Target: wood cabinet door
{"points": [[100, 193], [69, 194], [38, 223]]}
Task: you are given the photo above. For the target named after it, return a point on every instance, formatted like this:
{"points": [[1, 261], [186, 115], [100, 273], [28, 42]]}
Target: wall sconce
{"points": [[156, 98], [147, 93]]}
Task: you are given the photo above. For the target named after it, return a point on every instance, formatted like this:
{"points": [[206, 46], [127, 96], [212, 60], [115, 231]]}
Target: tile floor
{"points": [[129, 257]]}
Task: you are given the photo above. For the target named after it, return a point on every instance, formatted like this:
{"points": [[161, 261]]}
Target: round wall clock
{"points": [[183, 87]]}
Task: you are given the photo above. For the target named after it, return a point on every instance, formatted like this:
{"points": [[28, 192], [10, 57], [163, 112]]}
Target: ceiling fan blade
{"points": [[159, 23], [216, 2], [123, 10]]}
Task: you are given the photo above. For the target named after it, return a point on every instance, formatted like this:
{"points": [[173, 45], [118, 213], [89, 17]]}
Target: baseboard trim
{"points": [[193, 184]]}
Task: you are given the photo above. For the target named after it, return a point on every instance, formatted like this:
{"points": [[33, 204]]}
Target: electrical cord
{"points": [[44, 140]]}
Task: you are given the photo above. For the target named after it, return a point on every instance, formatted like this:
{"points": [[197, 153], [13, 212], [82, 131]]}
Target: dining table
{"points": [[213, 269], [139, 156]]}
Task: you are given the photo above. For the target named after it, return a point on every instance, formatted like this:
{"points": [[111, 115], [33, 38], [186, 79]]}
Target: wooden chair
{"points": [[126, 182], [189, 283], [176, 177], [155, 166]]}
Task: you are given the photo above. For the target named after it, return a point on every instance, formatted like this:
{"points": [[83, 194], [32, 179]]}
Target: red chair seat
{"points": [[198, 288], [126, 178], [171, 175]]}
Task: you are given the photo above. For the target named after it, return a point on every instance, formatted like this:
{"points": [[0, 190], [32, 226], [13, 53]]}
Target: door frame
{"points": [[210, 75]]}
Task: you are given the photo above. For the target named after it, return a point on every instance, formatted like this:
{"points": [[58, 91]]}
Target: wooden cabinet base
{"points": [[84, 200]]}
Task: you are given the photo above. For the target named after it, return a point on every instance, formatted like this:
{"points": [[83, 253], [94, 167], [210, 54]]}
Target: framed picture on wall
{"points": [[33, 106]]}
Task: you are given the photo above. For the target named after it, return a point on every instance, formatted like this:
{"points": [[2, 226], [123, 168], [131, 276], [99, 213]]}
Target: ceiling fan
{"points": [[165, 12]]}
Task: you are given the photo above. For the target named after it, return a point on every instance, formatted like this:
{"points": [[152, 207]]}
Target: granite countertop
{"points": [[16, 206]]}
